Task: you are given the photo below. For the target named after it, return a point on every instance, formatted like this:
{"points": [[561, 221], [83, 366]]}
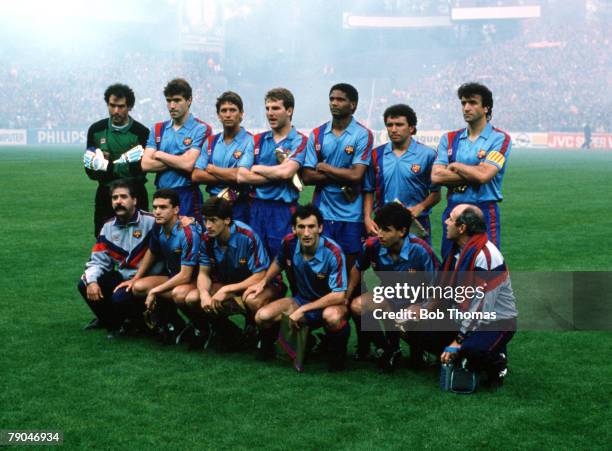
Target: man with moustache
{"points": [[175, 145], [471, 162], [224, 154], [115, 258], [401, 171], [278, 156], [114, 150]]}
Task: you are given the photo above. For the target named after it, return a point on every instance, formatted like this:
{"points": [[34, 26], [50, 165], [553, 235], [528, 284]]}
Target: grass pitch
{"points": [[133, 394]]}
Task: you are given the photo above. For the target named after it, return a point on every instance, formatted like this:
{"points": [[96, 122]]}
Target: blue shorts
{"points": [[491, 216], [314, 318], [271, 220], [240, 210], [191, 201], [349, 235]]}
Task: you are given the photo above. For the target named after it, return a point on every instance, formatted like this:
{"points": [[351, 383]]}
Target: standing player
{"points": [[394, 249], [232, 258], [177, 246], [471, 161], [317, 266], [401, 170], [224, 153], [279, 154], [337, 156], [174, 146], [118, 251], [115, 137]]}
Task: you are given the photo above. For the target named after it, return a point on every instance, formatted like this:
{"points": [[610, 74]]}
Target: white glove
{"points": [[95, 160], [131, 156]]}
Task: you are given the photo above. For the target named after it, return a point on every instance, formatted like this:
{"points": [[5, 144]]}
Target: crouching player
{"points": [[486, 323], [394, 249], [176, 245], [316, 266], [119, 249], [232, 258]]}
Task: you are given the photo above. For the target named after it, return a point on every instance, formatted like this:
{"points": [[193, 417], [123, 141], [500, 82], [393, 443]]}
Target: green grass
{"points": [[127, 394]]}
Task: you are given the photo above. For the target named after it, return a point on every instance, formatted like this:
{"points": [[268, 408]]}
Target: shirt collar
{"points": [[239, 136], [232, 239], [135, 219], [318, 253], [484, 134], [350, 129], [126, 128], [404, 251], [411, 147], [188, 125]]}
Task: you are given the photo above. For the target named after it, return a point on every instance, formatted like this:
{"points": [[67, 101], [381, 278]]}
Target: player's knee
{"points": [[192, 299], [333, 316], [179, 294], [140, 288], [263, 317], [356, 306]]}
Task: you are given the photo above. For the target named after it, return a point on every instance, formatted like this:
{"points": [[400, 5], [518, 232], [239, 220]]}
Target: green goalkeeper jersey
{"points": [[113, 142]]}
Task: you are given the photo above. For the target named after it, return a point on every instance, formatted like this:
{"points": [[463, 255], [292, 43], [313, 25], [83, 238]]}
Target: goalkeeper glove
{"points": [[131, 156], [95, 160]]}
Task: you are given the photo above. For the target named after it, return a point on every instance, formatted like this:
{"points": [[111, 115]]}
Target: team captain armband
{"points": [[497, 158]]}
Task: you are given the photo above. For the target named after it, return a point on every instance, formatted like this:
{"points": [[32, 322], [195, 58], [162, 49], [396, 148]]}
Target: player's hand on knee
{"points": [[254, 290], [296, 317], [94, 292], [131, 156], [126, 284]]}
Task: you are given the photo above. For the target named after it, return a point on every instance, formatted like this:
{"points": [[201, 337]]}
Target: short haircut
{"points": [[473, 219], [393, 214], [229, 97], [217, 207], [178, 87], [282, 94], [471, 89], [349, 90], [120, 91], [305, 211], [167, 193], [401, 110], [122, 183]]}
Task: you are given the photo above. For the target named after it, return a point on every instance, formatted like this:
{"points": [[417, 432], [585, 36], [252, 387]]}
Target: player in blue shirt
{"points": [[315, 265], [401, 171], [174, 146], [471, 161], [224, 153], [279, 155], [393, 249], [232, 258], [177, 246], [337, 156]]}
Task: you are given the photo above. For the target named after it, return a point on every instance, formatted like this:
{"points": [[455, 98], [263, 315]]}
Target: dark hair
{"points": [[349, 90], [304, 211], [401, 110], [217, 207], [178, 87], [281, 94], [473, 219], [120, 91], [167, 193], [229, 97], [393, 214], [472, 89], [122, 183]]}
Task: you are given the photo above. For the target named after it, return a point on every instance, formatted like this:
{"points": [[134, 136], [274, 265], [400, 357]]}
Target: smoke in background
{"points": [[547, 73]]}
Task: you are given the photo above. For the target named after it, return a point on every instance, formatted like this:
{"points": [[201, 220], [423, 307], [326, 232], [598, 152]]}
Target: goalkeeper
{"points": [[114, 150]]}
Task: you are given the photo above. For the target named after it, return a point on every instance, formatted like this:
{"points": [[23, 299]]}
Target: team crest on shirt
{"points": [[318, 147], [349, 150], [187, 141], [321, 275], [137, 233], [115, 237], [103, 141], [177, 250], [481, 154], [416, 168], [237, 154], [242, 261]]}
